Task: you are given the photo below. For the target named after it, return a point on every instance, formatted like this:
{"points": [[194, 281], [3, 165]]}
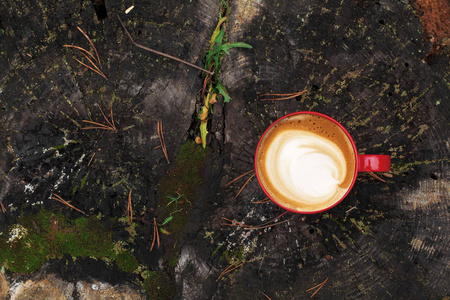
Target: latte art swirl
{"points": [[305, 166], [305, 162]]}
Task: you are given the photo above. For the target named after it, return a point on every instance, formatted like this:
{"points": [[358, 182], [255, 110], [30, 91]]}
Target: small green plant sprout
{"points": [[165, 222], [175, 200], [212, 86], [168, 220]]}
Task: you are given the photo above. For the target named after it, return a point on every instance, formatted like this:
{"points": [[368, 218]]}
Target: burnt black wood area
{"points": [[368, 64]]}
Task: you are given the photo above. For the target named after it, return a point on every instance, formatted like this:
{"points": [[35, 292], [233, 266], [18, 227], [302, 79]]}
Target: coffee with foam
{"points": [[305, 162]]}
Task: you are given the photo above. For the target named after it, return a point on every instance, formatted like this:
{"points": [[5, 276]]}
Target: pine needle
{"points": [[234, 223], [99, 73], [92, 63], [229, 269], [92, 157], [245, 184], [92, 44], [107, 128], [161, 53], [104, 116], [111, 126], [268, 224], [154, 238], [99, 124], [87, 54], [318, 287], [350, 209], [377, 177], [161, 140], [265, 200], [112, 119], [81, 49], [58, 198], [274, 219], [239, 177], [283, 96], [155, 235], [130, 209]]}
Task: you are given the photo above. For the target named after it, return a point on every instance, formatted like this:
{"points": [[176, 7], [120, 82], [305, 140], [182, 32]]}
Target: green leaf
{"points": [[219, 38], [227, 46], [167, 220], [213, 54], [216, 64], [223, 92], [240, 45], [209, 59]]}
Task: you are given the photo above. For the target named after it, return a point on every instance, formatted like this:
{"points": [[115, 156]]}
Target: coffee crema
{"points": [[305, 162]]}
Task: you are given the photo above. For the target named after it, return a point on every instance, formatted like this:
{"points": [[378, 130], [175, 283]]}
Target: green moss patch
{"points": [[127, 262], [158, 285], [177, 192], [186, 175], [179, 188], [25, 246], [33, 240]]}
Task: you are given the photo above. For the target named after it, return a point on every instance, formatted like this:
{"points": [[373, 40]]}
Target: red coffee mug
{"points": [[361, 163]]}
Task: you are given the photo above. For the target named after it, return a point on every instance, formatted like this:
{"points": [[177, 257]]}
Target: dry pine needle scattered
{"points": [[59, 199], [162, 141], [282, 96], [95, 63]]}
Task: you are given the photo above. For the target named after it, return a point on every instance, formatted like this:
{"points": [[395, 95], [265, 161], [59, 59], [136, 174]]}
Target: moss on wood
{"points": [[25, 246]]}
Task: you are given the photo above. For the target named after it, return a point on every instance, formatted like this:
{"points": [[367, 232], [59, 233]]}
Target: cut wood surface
{"points": [[365, 63]]}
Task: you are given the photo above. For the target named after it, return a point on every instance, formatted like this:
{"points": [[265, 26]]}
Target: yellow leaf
{"points": [[213, 100], [208, 95], [204, 114], [203, 132], [164, 231], [217, 30]]}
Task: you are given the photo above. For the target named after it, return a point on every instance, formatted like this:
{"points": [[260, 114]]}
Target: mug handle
{"points": [[374, 163]]}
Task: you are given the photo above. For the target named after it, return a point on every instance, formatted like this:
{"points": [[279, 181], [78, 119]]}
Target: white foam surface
{"points": [[305, 166]]}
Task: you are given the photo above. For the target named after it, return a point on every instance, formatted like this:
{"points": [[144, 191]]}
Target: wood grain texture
{"points": [[45, 94], [362, 63]]}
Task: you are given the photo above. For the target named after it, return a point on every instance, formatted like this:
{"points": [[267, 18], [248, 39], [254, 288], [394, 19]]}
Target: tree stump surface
{"points": [[364, 63]]}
